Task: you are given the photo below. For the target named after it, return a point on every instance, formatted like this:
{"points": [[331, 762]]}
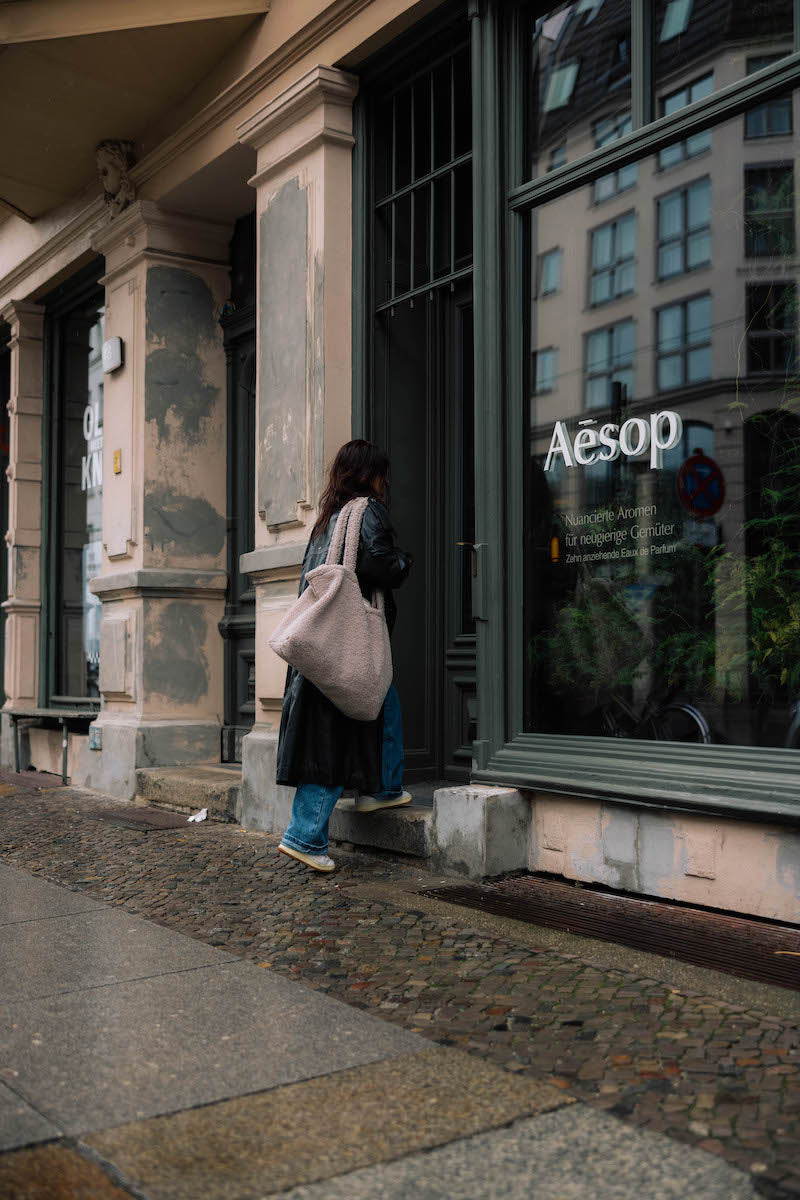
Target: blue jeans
{"points": [[314, 803]]}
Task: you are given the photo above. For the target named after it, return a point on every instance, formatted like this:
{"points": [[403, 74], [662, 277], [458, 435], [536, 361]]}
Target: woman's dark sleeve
{"points": [[380, 563]]}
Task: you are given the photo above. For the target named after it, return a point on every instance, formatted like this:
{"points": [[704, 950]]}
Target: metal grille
{"points": [[422, 182]]}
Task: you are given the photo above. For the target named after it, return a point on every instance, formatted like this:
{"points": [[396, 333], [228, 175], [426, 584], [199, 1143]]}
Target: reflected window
{"points": [[546, 370], [684, 343], [684, 229], [676, 19], [560, 86], [769, 211], [607, 130], [773, 119], [550, 273], [609, 362], [698, 143], [771, 328], [613, 265], [557, 157]]}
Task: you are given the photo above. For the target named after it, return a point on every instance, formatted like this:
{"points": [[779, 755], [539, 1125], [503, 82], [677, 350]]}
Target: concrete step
{"points": [[188, 789], [406, 830]]}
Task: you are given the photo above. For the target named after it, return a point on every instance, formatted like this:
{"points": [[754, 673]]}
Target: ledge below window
{"points": [[743, 782]]}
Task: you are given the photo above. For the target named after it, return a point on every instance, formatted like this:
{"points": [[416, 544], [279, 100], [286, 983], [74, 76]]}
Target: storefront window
{"points": [[79, 507], [663, 464]]}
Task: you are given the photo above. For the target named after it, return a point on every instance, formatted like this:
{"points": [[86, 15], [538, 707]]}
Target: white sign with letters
{"points": [[634, 437]]}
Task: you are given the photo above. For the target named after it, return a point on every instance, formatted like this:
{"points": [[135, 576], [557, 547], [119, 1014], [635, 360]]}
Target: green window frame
{"points": [[741, 781]]}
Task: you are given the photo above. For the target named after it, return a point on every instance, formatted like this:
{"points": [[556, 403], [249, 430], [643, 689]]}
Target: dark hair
{"points": [[352, 473]]}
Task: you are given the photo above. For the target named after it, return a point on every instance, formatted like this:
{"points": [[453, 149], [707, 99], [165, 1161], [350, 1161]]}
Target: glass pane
{"points": [[462, 179], [462, 99], [663, 463], [422, 235], [442, 115], [602, 243], [80, 512], [670, 215], [402, 138], [597, 350], [382, 149], [693, 34], [698, 250], [441, 226], [422, 127], [579, 63], [402, 245], [699, 203]]}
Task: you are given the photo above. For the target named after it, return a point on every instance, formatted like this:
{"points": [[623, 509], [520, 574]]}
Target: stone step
{"points": [[188, 789], [405, 830]]}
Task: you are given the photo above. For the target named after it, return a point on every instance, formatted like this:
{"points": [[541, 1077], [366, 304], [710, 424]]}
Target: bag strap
{"points": [[344, 543]]}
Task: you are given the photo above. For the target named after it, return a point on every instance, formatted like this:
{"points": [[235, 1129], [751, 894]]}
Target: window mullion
{"points": [[642, 90]]}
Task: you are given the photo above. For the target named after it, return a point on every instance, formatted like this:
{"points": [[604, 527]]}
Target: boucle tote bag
{"points": [[333, 636]]}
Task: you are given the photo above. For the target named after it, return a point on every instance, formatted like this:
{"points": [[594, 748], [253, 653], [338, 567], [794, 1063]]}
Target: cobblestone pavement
{"points": [[701, 1069]]}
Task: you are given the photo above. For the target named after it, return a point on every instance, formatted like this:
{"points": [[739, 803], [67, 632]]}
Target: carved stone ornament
{"points": [[114, 160]]}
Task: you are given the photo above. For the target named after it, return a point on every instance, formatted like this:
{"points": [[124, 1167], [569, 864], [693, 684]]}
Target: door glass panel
{"points": [[80, 532], [663, 465]]}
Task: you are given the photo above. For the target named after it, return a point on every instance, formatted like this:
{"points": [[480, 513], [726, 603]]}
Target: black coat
{"points": [[317, 742]]}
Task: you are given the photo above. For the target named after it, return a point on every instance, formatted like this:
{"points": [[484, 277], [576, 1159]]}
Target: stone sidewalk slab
{"points": [[572, 1154], [55, 1173], [78, 951], [316, 1129], [108, 1055], [25, 898], [20, 1125]]}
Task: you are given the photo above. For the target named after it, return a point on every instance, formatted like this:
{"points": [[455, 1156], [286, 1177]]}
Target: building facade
{"points": [[547, 255]]}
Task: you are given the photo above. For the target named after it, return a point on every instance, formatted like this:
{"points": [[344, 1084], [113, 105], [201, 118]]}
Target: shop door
{"points": [[424, 419], [419, 394]]}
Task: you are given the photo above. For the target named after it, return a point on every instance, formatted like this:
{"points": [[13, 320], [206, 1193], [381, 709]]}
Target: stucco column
{"points": [[164, 498], [303, 182], [24, 534]]}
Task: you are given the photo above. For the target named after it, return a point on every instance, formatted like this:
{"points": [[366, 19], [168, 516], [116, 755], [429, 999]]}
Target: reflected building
{"points": [[666, 285]]}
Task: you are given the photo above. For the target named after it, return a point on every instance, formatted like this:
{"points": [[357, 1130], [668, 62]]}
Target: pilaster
{"points": [[163, 580], [303, 182], [24, 534]]}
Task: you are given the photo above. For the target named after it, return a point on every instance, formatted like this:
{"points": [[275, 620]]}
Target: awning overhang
{"points": [[45, 20], [63, 94]]}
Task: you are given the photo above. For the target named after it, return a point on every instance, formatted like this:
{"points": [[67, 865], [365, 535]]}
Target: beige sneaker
{"points": [[365, 804], [317, 862]]}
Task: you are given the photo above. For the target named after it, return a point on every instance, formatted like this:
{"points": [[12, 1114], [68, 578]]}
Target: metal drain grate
{"points": [[146, 819], [763, 950]]}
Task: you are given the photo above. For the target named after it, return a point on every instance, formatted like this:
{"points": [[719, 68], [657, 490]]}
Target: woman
{"points": [[321, 752]]}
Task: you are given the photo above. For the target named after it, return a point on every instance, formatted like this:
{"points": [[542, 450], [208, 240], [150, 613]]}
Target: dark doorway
{"points": [[238, 624], [418, 193]]}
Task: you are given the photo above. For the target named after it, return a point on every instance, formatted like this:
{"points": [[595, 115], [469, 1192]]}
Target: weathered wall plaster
{"points": [[731, 864], [283, 336]]}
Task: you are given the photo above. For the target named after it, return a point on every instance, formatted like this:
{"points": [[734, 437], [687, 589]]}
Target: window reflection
{"points": [[580, 74], [663, 494]]}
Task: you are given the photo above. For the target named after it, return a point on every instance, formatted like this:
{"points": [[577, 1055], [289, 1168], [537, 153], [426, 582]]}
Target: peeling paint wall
{"points": [[742, 866], [184, 391], [283, 340]]}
